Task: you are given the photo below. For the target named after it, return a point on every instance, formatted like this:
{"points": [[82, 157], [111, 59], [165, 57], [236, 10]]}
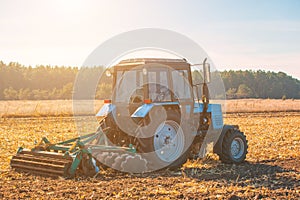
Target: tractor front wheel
{"points": [[234, 147]]}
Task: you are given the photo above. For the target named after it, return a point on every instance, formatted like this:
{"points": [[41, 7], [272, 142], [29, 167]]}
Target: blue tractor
{"points": [[156, 106], [159, 115]]}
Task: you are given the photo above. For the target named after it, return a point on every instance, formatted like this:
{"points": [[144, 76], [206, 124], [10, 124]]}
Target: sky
{"points": [[249, 34]]}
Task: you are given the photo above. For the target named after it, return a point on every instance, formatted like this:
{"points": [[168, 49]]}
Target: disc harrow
{"points": [[78, 155], [41, 163]]}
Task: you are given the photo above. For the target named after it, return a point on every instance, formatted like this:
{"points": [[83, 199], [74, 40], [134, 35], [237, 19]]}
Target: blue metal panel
{"points": [[217, 116], [198, 107], [143, 110], [188, 109], [105, 110]]}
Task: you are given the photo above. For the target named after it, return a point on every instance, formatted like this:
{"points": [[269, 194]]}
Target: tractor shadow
{"points": [[272, 174]]}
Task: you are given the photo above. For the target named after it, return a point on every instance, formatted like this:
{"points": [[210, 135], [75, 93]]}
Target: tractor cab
{"points": [[155, 80], [145, 81]]}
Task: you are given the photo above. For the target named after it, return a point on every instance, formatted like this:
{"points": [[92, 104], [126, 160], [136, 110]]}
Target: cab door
{"points": [[182, 90]]}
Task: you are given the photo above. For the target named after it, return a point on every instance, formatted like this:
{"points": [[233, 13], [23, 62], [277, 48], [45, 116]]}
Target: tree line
{"points": [[260, 84], [19, 82]]}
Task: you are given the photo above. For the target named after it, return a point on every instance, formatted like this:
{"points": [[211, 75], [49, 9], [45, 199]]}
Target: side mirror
{"points": [[197, 77], [206, 72]]}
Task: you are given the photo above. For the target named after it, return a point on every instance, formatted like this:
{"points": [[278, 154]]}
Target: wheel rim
{"points": [[237, 148], [168, 141]]}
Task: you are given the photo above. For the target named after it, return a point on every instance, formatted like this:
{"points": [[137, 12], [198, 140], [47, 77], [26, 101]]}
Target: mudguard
{"points": [[144, 109], [105, 110]]}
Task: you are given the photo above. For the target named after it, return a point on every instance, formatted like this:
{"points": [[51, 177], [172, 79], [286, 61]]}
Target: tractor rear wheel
{"points": [[168, 143], [234, 147]]}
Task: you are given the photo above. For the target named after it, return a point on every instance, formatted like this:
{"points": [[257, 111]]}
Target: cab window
{"points": [[181, 84]]}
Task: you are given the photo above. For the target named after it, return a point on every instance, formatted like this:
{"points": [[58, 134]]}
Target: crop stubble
{"points": [[272, 168]]}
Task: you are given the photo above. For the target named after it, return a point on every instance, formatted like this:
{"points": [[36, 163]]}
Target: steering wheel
{"points": [[157, 92], [137, 96], [163, 93]]}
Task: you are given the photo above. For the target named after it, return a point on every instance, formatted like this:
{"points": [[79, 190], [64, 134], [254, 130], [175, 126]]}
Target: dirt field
{"points": [[272, 169]]}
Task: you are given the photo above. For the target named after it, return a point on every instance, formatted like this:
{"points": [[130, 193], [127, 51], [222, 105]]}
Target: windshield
{"points": [[135, 85], [158, 87], [127, 82], [158, 84]]}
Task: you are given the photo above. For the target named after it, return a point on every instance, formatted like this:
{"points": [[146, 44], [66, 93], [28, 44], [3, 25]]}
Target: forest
{"points": [[19, 82]]}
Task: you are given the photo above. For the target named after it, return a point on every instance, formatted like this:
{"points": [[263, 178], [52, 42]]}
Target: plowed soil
{"points": [[272, 169]]}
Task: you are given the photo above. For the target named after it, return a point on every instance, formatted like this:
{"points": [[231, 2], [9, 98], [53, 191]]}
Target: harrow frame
{"points": [[70, 152]]}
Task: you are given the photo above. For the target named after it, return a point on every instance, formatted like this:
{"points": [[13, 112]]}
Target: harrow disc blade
{"points": [[134, 164], [41, 163], [122, 161]]}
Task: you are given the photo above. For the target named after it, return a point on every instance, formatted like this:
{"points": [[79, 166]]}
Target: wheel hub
{"points": [[237, 148], [168, 141]]}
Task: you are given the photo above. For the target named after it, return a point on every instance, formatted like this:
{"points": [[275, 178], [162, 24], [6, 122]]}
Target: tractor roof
{"points": [[175, 63]]}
